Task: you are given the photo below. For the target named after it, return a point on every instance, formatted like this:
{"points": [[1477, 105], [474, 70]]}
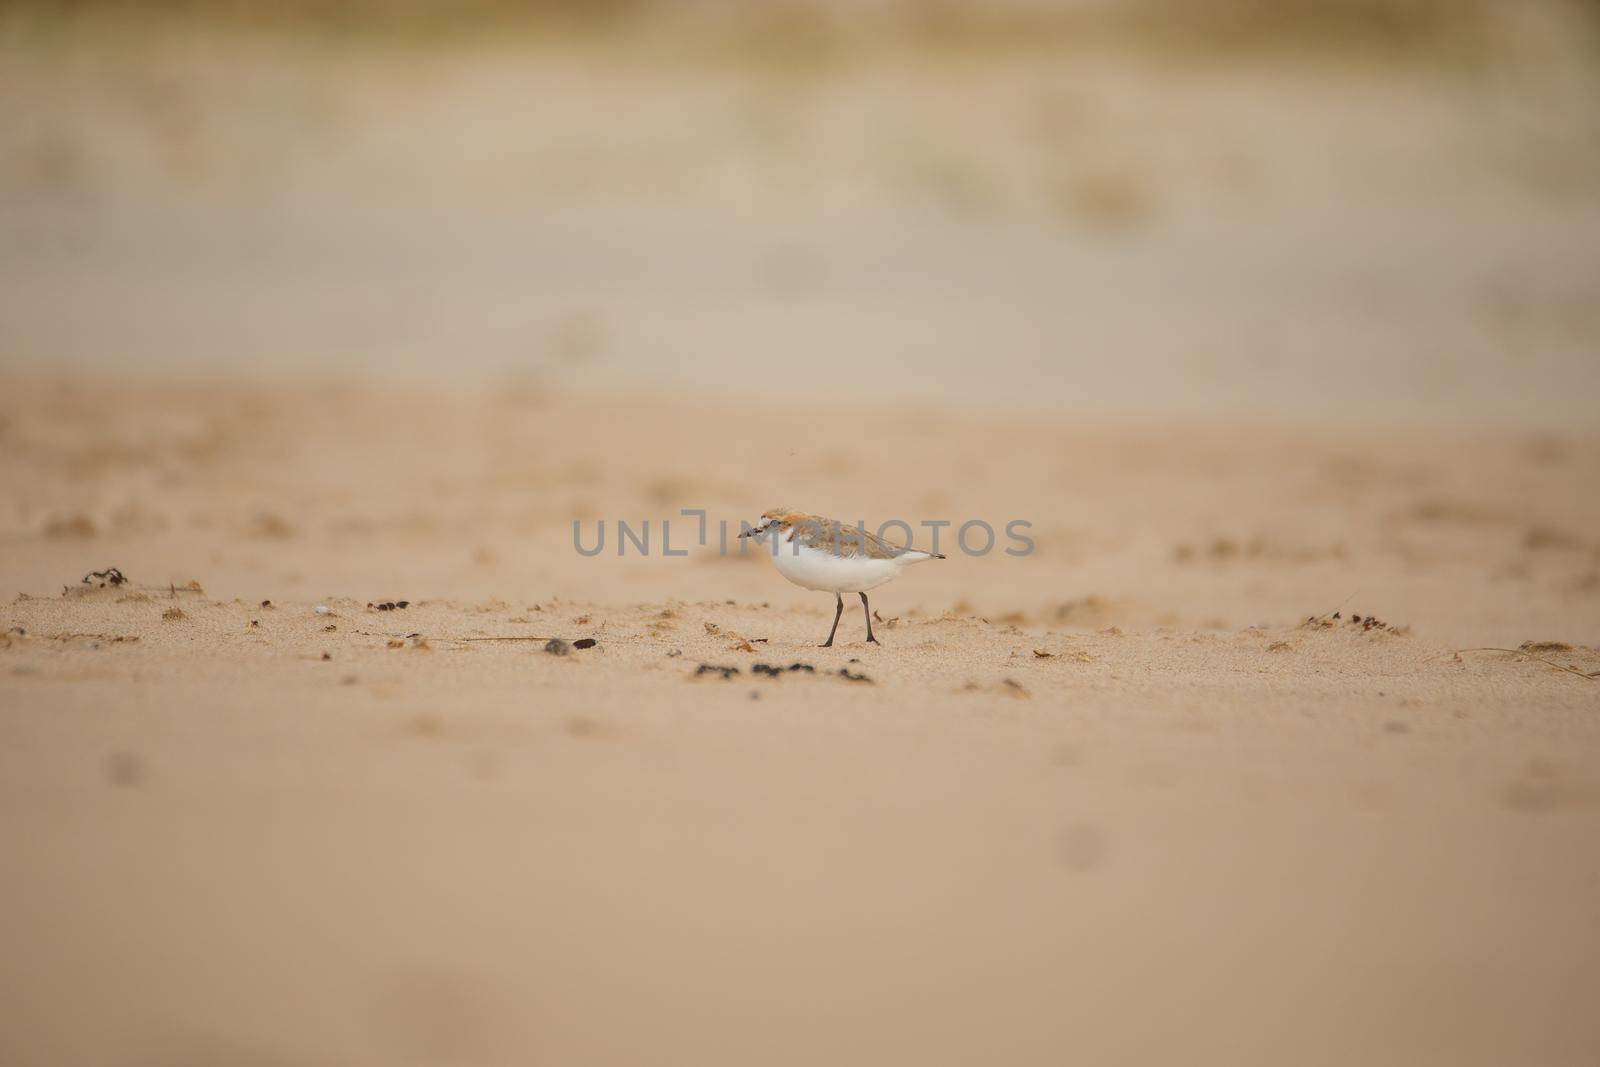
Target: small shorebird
{"points": [[826, 555]]}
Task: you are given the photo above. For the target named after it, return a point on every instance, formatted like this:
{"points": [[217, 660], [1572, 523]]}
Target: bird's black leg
{"points": [[868, 609], [836, 613]]}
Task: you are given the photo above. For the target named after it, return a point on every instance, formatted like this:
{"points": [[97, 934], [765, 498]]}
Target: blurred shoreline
{"points": [[836, 204]]}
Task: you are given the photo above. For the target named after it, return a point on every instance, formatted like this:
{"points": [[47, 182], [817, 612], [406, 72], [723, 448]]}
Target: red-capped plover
{"points": [[826, 555]]}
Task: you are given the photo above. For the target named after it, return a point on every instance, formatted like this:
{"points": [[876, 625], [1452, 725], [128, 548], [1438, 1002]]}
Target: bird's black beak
{"points": [[746, 533]]}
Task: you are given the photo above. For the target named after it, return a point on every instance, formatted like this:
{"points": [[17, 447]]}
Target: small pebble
{"points": [[323, 609], [557, 647], [583, 642]]}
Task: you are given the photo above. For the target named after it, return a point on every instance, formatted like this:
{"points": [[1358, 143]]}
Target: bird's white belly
{"points": [[813, 568]]}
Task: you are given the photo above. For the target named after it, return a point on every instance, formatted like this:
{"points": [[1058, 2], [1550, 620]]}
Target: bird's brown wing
{"points": [[848, 541]]}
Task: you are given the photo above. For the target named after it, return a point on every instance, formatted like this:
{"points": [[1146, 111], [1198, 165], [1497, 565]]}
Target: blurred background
{"points": [[1348, 209]]}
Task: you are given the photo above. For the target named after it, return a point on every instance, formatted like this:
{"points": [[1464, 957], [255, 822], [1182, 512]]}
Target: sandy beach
{"points": [[329, 331], [1119, 796]]}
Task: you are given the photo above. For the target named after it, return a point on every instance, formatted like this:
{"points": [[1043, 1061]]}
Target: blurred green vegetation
{"points": [[813, 31], [398, 19]]}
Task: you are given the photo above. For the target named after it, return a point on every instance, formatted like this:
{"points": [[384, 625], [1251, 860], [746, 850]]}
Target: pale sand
{"points": [[1199, 831]]}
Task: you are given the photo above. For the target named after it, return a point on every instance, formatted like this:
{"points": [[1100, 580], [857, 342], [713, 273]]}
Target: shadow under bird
{"points": [[830, 557]]}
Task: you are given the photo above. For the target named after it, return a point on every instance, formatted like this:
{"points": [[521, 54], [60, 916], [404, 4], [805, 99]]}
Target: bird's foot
{"points": [[873, 641]]}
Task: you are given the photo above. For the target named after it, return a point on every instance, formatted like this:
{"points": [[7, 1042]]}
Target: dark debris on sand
{"points": [[1366, 622], [773, 670], [109, 576], [713, 668], [776, 671]]}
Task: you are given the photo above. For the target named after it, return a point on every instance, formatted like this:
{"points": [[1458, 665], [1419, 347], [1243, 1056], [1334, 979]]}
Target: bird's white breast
{"points": [[813, 568]]}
